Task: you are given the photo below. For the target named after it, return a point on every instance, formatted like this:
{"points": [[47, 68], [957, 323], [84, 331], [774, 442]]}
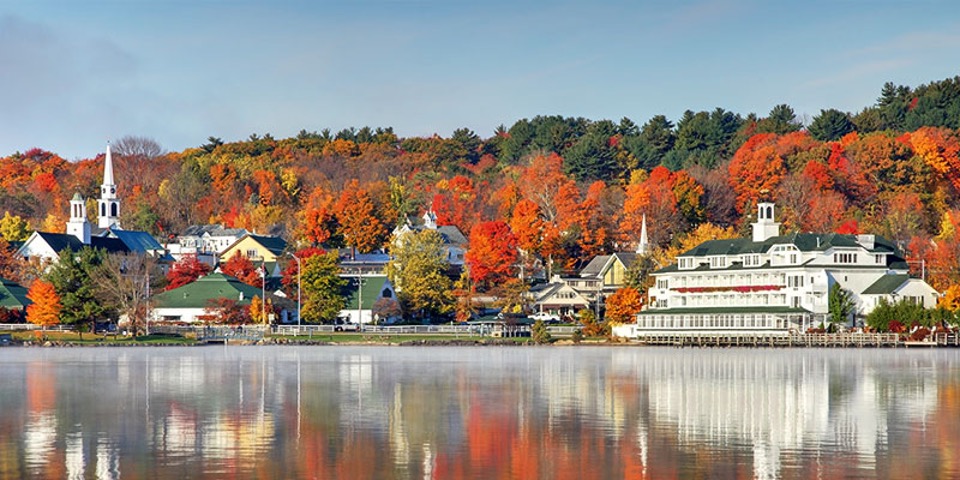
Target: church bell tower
{"points": [[109, 204]]}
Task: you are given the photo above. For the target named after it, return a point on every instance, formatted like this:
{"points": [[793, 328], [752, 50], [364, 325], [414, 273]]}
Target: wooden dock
{"points": [[825, 340]]}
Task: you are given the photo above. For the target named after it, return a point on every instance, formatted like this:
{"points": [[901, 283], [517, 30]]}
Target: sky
{"points": [[74, 75]]}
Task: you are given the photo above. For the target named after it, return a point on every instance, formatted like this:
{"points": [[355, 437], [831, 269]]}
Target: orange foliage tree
{"points": [[356, 215], [755, 170], [45, 309], [624, 305], [940, 149], [492, 254]]}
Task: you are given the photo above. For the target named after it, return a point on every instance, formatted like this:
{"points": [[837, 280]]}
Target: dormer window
{"points": [[686, 263], [752, 260], [718, 262]]}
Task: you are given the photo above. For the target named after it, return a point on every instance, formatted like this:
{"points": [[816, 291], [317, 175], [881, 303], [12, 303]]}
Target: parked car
{"points": [[344, 325], [546, 317]]}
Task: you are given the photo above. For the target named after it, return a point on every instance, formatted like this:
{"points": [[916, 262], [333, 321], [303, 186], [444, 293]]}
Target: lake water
{"points": [[486, 412]]}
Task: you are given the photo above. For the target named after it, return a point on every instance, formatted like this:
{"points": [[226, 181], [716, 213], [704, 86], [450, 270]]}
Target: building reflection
{"points": [[490, 413]]}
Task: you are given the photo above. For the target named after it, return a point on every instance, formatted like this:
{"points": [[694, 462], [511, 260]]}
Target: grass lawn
{"points": [[90, 338], [395, 339]]}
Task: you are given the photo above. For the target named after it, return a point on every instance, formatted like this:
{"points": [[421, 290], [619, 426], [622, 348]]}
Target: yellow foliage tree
{"points": [[703, 233], [256, 310], [951, 298], [13, 228]]}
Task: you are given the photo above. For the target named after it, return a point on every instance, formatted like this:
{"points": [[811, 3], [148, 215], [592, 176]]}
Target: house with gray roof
{"points": [[455, 244], [774, 283]]}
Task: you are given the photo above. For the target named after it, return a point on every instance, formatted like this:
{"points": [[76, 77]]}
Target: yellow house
{"points": [[259, 249], [611, 270]]}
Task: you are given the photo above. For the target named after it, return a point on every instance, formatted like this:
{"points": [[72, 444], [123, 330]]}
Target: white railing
{"points": [[7, 327]]}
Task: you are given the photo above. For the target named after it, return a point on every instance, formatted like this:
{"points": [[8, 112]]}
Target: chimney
{"points": [[765, 227]]}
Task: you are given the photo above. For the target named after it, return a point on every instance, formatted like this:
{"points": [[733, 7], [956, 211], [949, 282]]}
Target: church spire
{"points": [[644, 245], [109, 204]]}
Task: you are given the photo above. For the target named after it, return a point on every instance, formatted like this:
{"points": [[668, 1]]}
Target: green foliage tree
{"points": [[322, 288], [903, 312], [782, 119], [418, 271], [539, 333], [73, 278], [841, 304], [830, 125]]}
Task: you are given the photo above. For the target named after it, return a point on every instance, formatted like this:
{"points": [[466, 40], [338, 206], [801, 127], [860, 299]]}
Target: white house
{"points": [[772, 283], [361, 301], [454, 242]]}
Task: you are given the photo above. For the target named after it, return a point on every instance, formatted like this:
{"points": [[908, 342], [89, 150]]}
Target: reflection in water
{"points": [[346, 412]]}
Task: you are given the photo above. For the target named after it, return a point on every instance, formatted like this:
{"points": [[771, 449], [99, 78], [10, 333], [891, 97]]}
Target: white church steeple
{"points": [[644, 245], [78, 225], [109, 204]]}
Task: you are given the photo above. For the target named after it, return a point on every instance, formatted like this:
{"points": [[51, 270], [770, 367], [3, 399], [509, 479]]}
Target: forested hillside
{"points": [[568, 188]]}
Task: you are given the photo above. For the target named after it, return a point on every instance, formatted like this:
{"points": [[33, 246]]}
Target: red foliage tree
{"points": [[185, 271], [243, 269], [492, 254]]}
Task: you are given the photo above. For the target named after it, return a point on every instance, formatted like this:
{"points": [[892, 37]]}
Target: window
{"points": [[878, 259], [662, 284], [844, 258], [686, 263], [795, 281], [252, 253], [718, 262]]}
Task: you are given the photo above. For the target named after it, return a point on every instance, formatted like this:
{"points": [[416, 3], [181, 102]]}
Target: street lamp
{"points": [[299, 301]]}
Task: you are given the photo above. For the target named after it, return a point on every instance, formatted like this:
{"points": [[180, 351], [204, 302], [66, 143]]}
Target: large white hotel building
{"points": [[774, 283]]}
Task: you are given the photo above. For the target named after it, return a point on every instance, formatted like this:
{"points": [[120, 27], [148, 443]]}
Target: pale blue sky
{"points": [[74, 74]]}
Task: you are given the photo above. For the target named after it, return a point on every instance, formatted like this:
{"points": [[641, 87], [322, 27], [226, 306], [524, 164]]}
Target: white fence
{"points": [[8, 327]]}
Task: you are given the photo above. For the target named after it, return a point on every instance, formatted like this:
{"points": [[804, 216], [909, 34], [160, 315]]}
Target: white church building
{"points": [[772, 283], [107, 235]]}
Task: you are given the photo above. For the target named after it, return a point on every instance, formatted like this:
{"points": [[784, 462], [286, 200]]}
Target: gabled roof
{"points": [[452, 235], [13, 295], [59, 242], [370, 291], [886, 284], [595, 266], [805, 242], [140, 242], [213, 230], [198, 294], [599, 264], [275, 245]]}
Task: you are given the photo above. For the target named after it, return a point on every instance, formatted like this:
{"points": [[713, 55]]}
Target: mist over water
{"points": [[485, 412]]}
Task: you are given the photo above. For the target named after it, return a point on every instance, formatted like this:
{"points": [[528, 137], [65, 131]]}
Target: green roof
{"points": [[13, 295], [805, 242], [199, 293], [886, 284], [371, 291], [722, 310]]}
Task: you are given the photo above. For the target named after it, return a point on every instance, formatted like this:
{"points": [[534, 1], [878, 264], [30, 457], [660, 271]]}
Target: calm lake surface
{"points": [[486, 412]]}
